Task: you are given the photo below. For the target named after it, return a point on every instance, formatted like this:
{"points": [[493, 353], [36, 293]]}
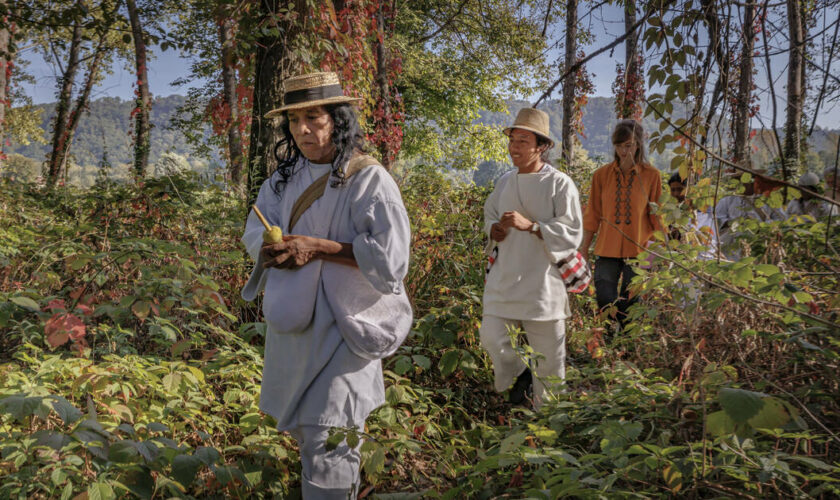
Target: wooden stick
{"points": [[262, 219]]}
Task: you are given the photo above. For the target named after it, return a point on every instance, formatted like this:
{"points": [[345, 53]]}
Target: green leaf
{"points": [[184, 469], [767, 269], [422, 361], [448, 362], [403, 365], [719, 424], [25, 302], [813, 462], [740, 404], [141, 309], [512, 442], [207, 455], [19, 406], [157, 427], [68, 413], [100, 491], [772, 415], [123, 452], [375, 462], [140, 482], [334, 440], [352, 439]]}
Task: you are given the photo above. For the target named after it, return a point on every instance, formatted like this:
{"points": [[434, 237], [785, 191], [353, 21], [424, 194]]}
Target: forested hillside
{"points": [[105, 134], [106, 131]]}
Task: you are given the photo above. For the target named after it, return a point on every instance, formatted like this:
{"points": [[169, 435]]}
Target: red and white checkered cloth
{"points": [[575, 273], [573, 269]]}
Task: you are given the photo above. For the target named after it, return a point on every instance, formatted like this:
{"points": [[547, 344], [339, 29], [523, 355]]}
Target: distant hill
{"points": [[106, 126], [599, 120]]}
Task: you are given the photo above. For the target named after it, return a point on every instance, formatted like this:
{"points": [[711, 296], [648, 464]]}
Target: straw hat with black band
{"points": [[532, 120], [312, 89]]}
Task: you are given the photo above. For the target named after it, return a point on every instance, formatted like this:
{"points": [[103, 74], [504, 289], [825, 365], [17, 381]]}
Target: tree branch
{"points": [[444, 25], [598, 52], [714, 156]]}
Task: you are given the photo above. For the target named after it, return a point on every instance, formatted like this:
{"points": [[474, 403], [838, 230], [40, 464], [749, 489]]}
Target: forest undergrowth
{"points": [[130, 367]]}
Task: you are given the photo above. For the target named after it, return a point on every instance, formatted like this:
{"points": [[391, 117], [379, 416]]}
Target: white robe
{"points": [[524, 283], [312, 375], [815, 208]]}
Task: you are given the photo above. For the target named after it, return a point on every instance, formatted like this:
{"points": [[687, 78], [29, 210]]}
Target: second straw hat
{"points": [[532, 120]]}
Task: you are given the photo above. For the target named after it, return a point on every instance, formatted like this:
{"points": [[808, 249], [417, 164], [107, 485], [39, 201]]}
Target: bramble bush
{"points": [[129, 366]]}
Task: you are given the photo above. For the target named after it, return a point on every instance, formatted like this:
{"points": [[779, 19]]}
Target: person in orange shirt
{"points": [[619, 212]]}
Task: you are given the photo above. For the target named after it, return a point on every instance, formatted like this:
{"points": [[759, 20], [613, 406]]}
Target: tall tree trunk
{"points": [[716, 48], [142, 129], [795, 86], [382, 83], [226, 41], [269, 72], [81, 104], [741, 113], [569, 85], [7, 57], [61, 135], [631, 63]]}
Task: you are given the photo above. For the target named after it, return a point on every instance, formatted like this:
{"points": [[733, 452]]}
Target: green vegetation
{"points": [[131, 367]]}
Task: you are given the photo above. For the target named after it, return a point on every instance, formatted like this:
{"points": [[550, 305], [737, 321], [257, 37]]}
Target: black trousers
{"points": [[612, 276]]}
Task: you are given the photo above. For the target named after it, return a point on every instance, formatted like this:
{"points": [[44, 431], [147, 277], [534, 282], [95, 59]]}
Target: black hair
{"points": [[676, 178], [347, 137], [542, 141]]}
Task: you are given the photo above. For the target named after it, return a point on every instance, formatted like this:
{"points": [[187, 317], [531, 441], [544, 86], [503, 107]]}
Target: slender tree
{"points": [[629, 86], [382, 61], [234, 134], [743, 99], [142, 123], [568, 132], [7, 58], [795, 89], [61, 134]]}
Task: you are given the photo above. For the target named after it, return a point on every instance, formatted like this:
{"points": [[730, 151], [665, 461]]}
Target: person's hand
{"points": [[498, 232], [515, 220], [293, 252]]}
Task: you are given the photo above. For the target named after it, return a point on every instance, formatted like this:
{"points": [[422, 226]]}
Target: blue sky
{"points": [[606, 25]]}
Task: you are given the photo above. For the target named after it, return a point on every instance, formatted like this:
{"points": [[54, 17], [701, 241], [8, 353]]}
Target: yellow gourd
{"points": [[272, 234]]}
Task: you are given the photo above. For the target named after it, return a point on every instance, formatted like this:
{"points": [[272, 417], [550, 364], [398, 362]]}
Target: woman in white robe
{"points": [[334, 300], [533, 215]]}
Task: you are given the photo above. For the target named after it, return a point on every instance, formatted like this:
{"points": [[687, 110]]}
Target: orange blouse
{"points": [[619, 210]]}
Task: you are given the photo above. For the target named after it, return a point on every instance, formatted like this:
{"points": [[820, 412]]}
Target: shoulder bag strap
{"points": [[317, 188]]}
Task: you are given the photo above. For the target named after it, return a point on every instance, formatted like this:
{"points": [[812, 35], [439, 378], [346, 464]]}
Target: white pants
{"points": [[547, 338], [327, 475]]}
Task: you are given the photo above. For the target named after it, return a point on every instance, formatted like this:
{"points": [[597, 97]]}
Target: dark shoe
{"points": [[523, 388]]}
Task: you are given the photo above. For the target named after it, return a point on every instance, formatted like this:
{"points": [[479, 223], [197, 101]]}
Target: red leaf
{"points": [[62, 327], [56, 304]]}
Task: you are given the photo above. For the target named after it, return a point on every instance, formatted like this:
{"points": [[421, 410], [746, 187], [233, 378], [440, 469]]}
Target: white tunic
{"points": [[312, 376], [815, 208], [524, 283], [736, 206]]}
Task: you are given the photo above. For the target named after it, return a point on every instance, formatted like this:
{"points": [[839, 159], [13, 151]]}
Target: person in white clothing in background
{"points": [[807, 204], [533, 218]]}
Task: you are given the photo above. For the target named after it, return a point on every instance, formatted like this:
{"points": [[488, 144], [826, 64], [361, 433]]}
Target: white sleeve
{"points": [[491, 205], [252, 238], [381, 246], [563, 233]]}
